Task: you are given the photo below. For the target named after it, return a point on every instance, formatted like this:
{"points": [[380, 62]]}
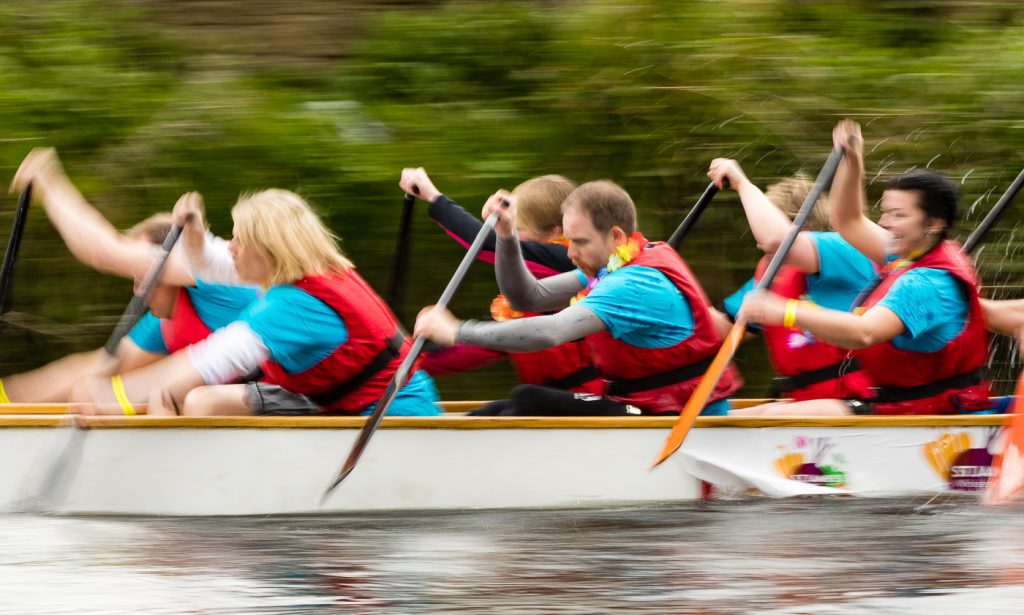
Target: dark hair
{"points": [[936, 195], [605, 203]]}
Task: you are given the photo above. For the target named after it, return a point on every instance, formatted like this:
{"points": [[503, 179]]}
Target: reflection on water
{"points": [[798, 556]]}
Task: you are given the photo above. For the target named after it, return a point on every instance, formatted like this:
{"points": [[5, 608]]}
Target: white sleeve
{"points": [[215, 264], [228, 354]]}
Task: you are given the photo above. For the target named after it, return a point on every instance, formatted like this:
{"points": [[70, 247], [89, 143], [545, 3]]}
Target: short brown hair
{"points": [[154, 228], [606, 204], [540, 202], [789, 195]]}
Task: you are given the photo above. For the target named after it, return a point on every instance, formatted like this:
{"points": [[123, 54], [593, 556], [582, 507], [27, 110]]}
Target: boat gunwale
{"points": [[487, 422]]}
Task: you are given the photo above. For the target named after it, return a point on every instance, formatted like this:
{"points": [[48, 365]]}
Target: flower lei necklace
{"points": [[621, 256], [500, 308]]}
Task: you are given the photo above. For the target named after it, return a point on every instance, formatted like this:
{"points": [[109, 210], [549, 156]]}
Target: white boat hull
{"points": [[260, 466]]}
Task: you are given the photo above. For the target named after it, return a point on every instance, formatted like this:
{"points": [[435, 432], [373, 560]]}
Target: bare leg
{"points": [[173, 375], [812, 407], [52, 382], [217, 400]]}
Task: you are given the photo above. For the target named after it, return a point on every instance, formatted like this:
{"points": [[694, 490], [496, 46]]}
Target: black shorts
{"points": [[271, 400]]}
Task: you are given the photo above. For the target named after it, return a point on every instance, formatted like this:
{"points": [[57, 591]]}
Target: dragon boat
{"points": [[55, 461]]}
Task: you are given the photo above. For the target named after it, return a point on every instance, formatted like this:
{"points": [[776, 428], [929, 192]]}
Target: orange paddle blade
{"points": [[1007, 478], [702, 393]]}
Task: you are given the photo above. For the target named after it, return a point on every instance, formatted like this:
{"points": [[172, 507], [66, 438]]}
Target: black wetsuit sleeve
{"points": [[541, 258]]}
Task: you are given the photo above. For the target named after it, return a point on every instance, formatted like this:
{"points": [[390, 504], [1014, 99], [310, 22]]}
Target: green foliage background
{"points": [[146, 100]]}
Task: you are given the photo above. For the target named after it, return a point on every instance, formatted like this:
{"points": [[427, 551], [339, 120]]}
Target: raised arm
{"points": [[88, 235], [847, 203], [542, 259], [768, 223], [207, 256], [524, 291]]}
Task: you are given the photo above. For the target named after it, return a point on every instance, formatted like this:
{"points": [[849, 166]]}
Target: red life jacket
{"points": [[811, 369], [566, 366], [949, 379], [357, 372], [637, 376], [184, 327]]}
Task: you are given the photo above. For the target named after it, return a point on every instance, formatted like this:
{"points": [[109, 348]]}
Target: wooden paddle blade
{"points": [[1007, 478], [699, 397]]}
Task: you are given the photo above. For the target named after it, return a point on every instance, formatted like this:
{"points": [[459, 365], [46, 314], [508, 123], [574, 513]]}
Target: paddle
{"points": [[699, 397], [691, 218], [401, 263], [402, 374], [994, 213], [140, 302], [57, 476], [17, 229], [1007, 478]]}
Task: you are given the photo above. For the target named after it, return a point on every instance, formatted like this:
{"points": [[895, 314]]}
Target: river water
{"points": [[749, 555]]}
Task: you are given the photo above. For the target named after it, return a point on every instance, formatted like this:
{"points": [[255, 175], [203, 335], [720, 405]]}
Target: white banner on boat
{"points": [[876, 461]]}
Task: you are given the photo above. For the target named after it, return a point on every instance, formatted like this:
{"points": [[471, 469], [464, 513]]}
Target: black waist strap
{"points": [[391, 350], [898, 394], [664, 379], [581, 376], [785, 384]]}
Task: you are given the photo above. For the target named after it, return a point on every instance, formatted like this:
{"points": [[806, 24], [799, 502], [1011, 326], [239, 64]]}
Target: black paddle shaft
{"points": [[401, 263], [975, 238], [140, 302], [17, 230], [691, 218], [402, 373]]}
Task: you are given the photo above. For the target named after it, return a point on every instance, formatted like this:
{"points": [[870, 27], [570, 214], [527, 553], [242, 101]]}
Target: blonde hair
{"points": [[789, 194], [540, 202], [281, 227], [154, 228]]}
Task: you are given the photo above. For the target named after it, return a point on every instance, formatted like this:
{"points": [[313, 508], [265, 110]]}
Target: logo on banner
{"points": [[963, 467], [808, 461]]}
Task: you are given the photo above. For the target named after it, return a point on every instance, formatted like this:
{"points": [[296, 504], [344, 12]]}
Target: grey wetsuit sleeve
{"points": [[533, 333], [525, 292]]}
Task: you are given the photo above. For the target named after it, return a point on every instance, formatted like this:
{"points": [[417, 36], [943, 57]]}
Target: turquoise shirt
{"points": [[842, 273], [932, 304], [640, 306], [216, 304], [301, 330]]}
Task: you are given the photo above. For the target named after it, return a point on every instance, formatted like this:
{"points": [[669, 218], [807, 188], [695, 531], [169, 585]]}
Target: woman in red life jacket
{"points": [[917, 329], [183, 309], [323, 339], [821, 267], [539, 228]]}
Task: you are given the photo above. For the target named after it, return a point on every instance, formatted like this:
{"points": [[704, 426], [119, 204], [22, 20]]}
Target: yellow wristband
{"points": [[122, 397], [789, 318], [3, 394]]}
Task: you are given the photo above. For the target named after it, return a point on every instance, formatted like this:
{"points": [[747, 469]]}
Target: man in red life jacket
{"points": [[647, 322], [539, 229]]}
